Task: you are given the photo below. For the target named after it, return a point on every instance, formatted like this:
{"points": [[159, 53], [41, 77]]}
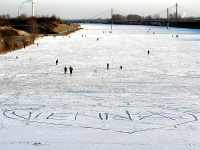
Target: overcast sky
{"points": [[90, 8]]}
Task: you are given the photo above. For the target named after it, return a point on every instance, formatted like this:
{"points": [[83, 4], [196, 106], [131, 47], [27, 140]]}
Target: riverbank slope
{"points": [[17, 33]]}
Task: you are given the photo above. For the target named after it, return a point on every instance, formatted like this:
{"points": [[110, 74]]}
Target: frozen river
{"points": [[153, 103]]}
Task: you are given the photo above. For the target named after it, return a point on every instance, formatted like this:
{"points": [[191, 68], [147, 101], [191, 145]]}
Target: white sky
{"points": [[89, 8]]}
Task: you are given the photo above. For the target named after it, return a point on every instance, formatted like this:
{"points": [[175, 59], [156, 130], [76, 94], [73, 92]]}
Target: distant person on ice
{"points": [[65, 69], [71, 70], [108, 66], [121, 67], [56, 62], [148, 52]]}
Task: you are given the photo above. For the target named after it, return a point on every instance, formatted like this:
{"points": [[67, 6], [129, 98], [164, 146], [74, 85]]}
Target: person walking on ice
{"points": [[121, 67], [65, 70], [71, 70], [148, 52], [108, 66], [56, 62]]}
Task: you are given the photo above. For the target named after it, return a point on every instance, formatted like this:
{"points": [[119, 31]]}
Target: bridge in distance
{"points": [[173, 16]]}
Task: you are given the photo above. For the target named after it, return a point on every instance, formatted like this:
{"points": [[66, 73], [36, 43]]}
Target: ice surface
{"points": [[152, 104]]}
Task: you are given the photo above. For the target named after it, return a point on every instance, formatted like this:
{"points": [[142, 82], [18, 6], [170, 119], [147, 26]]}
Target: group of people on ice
{"points": [[108, 66], [65, 68], [71, 69]]}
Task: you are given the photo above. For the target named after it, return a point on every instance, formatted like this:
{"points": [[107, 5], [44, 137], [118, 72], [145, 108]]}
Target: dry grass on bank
{"points": [[12, 39]]}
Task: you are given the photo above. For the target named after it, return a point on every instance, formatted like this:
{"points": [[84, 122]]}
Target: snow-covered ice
{"points": [[152, 104]]}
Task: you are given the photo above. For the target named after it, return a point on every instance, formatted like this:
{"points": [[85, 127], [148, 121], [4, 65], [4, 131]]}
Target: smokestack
{"points": [[33, 8]]}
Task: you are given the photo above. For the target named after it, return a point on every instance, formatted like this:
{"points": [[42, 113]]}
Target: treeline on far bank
{"points": [[156, 20], [134, 19]]}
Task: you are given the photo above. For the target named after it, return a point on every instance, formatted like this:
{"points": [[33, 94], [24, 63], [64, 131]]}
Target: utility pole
{"points": [[167, 18], [111, 27], [176, 11], [18, 11]]}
